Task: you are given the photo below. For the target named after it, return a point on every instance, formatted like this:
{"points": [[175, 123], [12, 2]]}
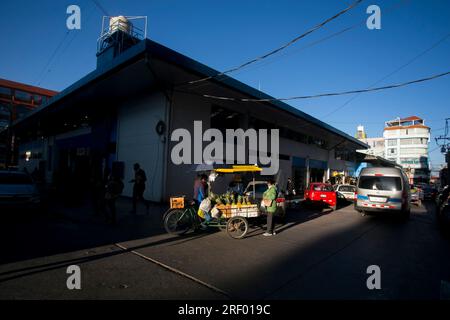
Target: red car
{"points": [[321, 193]]}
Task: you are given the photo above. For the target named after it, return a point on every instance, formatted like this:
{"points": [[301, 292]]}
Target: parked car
{"points": [[18, 191], [345, 191], [416, 195], [321, 193], [382, 189], [443, 207], [260, 188], [429, 193]]}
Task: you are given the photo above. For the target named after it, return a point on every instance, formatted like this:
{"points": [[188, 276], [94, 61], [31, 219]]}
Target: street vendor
{"points": [[200, 189], [200, 194], [269, 201]]}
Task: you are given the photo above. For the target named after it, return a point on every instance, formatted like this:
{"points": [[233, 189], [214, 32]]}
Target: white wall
{"points": [[137, 141]]}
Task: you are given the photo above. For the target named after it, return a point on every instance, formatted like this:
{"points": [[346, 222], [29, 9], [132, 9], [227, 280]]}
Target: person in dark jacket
{"points": [[139, 187], [200, 189], [290, 188]]}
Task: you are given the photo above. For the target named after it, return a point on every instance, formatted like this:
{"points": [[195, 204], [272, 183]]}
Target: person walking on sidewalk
{"points": [[139, 187], [290, 189], [114, 189], [269, 197]]}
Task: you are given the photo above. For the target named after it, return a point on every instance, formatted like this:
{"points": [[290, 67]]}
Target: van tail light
{"points": [[280, 200], [356, 195]]}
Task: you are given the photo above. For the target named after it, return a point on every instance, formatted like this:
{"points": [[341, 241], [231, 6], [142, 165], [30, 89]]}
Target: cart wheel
{"points": [[237, 227], [177, 222]]}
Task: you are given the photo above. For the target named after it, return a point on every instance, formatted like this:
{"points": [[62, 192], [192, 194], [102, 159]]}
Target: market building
{"points": [[126, 110]]}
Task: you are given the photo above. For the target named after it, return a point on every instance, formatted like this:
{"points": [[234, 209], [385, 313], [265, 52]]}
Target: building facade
{"points": [[406, 143], [127, 110], [16, 101]]}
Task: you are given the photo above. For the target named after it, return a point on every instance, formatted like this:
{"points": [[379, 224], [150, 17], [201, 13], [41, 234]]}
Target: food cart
{"points": [[228, 211]]}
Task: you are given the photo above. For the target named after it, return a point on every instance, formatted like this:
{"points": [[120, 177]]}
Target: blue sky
{"points": [[223, 34]]}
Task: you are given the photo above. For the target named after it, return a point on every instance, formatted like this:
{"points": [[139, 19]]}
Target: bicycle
{"points": [[179, 221]]}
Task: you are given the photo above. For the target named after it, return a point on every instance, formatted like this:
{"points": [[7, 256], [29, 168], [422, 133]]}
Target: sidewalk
{"points": [[85, 215]]}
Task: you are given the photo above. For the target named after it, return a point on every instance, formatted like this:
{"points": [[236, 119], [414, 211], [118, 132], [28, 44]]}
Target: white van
{"points": [[381, 189]]}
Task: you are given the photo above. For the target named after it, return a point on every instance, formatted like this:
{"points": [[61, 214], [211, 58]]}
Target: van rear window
{"points": [[380, 183]]}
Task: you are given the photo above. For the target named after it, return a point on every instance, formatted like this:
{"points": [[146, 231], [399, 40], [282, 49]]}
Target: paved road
{"points": [[314, 256]]}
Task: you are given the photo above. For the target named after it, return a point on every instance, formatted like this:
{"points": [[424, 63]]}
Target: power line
{"points": [[330, 94], [434, 45], [42, 74], [328, 37], [99, 6], [307, 46], [434, 149], [52, 56], [320, 25]]}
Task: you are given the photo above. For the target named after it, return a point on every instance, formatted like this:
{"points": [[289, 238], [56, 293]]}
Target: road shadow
{"points": [[64, 229], [294, 217], [333, 265]]}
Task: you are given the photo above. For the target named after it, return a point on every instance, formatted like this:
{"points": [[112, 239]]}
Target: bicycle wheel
{"points": [[237, 227], [177, 221]]}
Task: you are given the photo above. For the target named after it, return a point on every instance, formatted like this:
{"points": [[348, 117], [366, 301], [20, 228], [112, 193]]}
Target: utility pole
{"points": [[443, 141]]}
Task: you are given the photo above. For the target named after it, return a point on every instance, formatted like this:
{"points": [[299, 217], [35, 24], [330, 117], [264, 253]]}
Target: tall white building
{"points": [[406, 142]]}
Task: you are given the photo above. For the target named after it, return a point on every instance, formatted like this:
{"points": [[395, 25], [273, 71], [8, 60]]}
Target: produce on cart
{"points": [[229, 211]]}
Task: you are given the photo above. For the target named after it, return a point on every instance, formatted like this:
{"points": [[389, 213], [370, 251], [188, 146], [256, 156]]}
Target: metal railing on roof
{"points": [[108, 29]]}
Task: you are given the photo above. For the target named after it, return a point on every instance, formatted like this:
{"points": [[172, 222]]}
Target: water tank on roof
{"points": [[119, 23]]}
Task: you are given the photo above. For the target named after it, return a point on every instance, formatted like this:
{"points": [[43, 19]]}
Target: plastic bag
{"points": [[215, 213], [201, 213], [205, 205]]}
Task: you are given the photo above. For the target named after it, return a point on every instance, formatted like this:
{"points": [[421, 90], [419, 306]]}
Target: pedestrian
{"points": [[290, 188], [139, 187], [113, 190], [200, 194], [200, 189], [269, 197]]}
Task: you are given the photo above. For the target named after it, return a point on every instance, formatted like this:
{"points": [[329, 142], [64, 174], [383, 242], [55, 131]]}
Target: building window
{"points": [[409, 141], [392, 151], [23, 96], [392, 142]]}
